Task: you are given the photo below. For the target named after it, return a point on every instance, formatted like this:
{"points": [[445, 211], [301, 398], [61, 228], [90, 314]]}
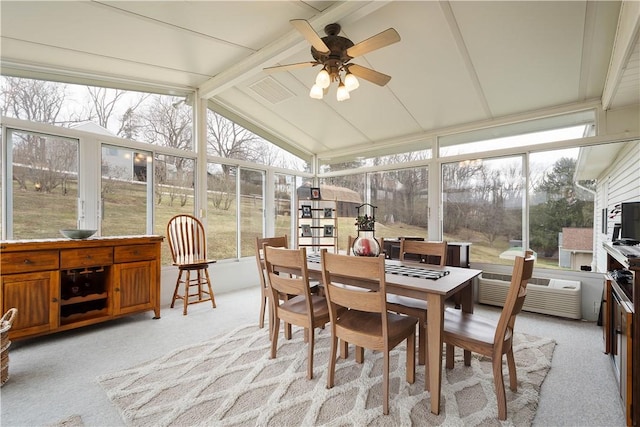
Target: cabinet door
{"points": [[135, 287], [36, 296]]}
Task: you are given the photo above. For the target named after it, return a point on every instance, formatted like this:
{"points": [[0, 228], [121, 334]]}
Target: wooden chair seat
{"points": [[471, 328], [297, 306]]}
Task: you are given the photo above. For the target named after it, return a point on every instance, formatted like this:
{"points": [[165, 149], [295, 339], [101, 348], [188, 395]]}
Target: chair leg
{"points": [[332, 360], [385, 384], [359, 354], [450, 350], [274, 337], [186, 292], [310, 356], [422, 334], [175, 291], [344, 349], [499, 385], [411, 358], [263, 304], [213, 298], [513, 377]]}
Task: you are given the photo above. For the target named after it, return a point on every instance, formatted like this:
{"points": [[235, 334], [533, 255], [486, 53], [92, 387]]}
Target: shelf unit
{"points": [[61, 284], [317, 226]]}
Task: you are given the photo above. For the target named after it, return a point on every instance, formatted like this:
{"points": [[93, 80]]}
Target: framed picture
{"points": [[328, 212], [315, 193], [306, 211], [306, 230], [328, 231]]}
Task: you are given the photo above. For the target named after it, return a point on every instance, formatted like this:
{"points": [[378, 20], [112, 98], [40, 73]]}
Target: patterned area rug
{"points": [[230, 381]]}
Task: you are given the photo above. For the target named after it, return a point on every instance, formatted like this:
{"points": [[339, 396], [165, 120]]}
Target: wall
{"points": [[226, 276], [619, 183]]}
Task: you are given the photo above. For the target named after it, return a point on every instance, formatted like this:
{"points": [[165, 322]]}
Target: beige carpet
{"points": [[230, 381]]}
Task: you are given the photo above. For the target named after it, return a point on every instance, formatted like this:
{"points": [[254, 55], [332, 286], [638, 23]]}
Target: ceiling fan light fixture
{"points": [[351, 82], [343, 93], [316, 92], [323, 79]]}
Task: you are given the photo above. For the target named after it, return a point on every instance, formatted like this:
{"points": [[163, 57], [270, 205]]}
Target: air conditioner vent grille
{"points": [[272, 91]]}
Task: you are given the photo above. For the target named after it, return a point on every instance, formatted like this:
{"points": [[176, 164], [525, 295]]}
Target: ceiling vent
{"points": [[271, 90]]}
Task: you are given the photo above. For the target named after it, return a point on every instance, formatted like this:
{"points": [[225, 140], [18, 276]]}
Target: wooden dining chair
{"points": [[276, 242], [303, 308], [360, 317], [434, 253], [188, 245], [488, 338]]}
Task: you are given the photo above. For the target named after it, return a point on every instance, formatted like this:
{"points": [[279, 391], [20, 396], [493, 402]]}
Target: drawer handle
{"points": [[136, 252], [117, 289], [54, 300], [27, 261], [88, 256]]}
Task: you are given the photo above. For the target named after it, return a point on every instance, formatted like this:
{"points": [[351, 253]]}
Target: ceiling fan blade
{"points": [[385, 38], [303, 26], [369, 74], [288, 67]]}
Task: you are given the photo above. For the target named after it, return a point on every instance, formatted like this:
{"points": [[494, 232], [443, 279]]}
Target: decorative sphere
{"points": [[366, 246]]}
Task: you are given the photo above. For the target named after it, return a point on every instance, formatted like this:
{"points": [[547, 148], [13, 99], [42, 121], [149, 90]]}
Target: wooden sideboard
{"points": [[621, 327], [62, 284]]}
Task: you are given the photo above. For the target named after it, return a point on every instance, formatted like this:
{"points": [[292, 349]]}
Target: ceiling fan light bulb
{"points": [[316, 92], [323, 79], [342, 93], [351, 82]]}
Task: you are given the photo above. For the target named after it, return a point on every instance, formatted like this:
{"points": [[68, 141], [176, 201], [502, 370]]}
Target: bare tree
{"points": [[33, 100], [230, 140]]}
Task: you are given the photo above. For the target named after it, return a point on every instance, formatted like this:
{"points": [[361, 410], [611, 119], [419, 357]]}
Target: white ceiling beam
{"points": [[626, 37], [464, 54], [283, 47]]}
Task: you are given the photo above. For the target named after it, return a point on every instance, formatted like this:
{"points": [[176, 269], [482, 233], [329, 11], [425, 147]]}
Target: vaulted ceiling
{"points": [[459, 64]]}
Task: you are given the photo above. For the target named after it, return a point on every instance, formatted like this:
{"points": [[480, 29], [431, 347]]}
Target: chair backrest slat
{"points": [[294, 260], [428, 249], [187, 240], [335, 268], [276, 242], [522, 273]]}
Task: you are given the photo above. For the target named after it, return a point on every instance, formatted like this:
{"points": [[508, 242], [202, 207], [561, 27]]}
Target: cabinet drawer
{"points": [[25, 262], [134, 253], [91, 257]]}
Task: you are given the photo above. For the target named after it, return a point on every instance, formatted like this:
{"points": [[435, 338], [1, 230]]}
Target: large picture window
{"points": [[44, 171]]}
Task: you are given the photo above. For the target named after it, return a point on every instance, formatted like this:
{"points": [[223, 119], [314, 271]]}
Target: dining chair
{"points": [[188, 245], [303, 308], [435, 253], [277, 242], [488, 338], [360, 317]]}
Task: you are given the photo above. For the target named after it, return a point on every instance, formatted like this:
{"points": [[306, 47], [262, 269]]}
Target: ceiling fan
{"points": [[334, 53]]}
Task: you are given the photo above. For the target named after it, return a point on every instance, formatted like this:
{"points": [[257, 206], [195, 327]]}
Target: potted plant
{"points": [[365, 222]]}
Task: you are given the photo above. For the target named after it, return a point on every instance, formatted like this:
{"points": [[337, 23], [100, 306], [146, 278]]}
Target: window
{"points": [[482, 204], [222, 227], [401, 198], [285, 186], [44, 171], [561, 211], [125, 188], [173, 193], [251, 209]]}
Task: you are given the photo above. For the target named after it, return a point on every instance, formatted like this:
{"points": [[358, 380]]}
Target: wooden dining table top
{"points": [[454, 280]]}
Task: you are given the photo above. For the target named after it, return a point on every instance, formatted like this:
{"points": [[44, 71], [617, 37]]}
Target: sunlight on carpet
{"points": [[230, 381]]}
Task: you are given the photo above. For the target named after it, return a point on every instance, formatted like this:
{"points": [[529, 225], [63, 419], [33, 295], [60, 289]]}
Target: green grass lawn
{"points": [[40, 215]]}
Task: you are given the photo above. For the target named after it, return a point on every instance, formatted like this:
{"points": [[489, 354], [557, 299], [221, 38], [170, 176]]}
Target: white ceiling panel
{"points": [[459, 64]]}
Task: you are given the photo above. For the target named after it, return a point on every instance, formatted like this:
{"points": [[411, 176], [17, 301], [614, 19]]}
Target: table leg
{"points": [[466, 299], [435, 323]]}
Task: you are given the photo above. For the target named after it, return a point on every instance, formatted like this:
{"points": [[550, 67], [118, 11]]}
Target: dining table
{"points": [[427, 282]]}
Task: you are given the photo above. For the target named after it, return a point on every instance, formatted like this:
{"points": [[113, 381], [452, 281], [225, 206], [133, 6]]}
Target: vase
{"points": [[366, 245]]}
